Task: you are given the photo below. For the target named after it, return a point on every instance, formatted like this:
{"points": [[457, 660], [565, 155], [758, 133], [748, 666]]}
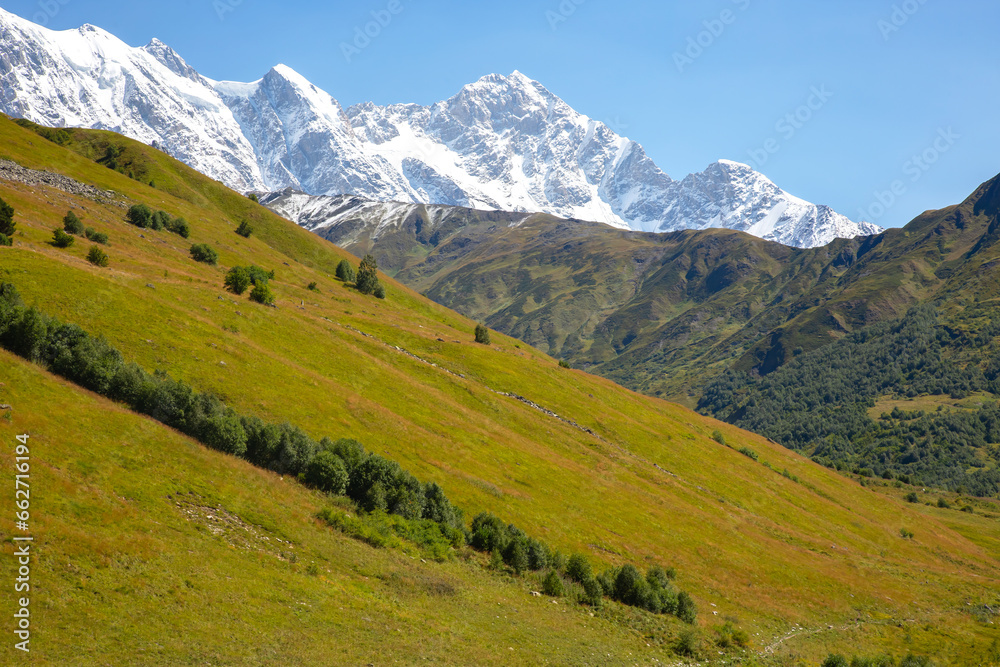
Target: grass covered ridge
{"points": [[405, 377]]}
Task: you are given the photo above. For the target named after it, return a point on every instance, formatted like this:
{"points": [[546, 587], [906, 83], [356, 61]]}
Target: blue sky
{"points": [[879, 108]]}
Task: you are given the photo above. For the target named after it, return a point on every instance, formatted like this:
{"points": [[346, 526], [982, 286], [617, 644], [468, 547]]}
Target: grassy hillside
{"points": [[803, 559]]}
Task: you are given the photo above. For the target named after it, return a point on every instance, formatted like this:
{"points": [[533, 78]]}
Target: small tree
{"points": [[7, 223], [482, 334], [379, 291], [367, 279], [552, 585], [313, 286], [345, 271], [578, 568], [253, 197], [202, 252], [72, 224], [262, 294], [61, 239], [180, 227], [97, 257], [140, 215], [237, 280], [244, 230], [686, 611]]}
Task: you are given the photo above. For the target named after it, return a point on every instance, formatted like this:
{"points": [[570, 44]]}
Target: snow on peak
{"points": [[502, 142]]}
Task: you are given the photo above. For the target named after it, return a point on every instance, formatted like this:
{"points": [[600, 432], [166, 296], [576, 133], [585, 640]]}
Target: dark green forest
{"points": [[819, 403]]}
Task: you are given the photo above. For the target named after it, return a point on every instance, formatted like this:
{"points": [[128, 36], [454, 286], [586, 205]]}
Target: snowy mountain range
{"points": [[501, 143]]}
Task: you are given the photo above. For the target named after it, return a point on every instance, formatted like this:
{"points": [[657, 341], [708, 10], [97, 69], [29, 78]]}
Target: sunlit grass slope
{"points": [[618, 476]]}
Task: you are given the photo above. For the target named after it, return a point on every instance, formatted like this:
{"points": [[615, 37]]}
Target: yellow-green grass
{"points": [[930, 403], [650, 487], [131, 564]]}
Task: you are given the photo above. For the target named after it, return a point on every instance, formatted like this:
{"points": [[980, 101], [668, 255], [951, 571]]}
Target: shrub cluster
{"points": [[510, 546], [240, 278], [202, 252], [143, 217], [72, 224], [95, 236]]}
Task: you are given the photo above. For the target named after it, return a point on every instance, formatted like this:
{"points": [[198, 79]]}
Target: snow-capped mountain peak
{"points": [[502, 142]]}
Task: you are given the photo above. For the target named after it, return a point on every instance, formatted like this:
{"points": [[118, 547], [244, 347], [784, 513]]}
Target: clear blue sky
{"points": [[893, 85]]}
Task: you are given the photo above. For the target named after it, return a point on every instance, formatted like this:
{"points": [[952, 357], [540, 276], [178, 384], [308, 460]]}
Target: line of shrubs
{"points": [[144, 217], [341, 467]]}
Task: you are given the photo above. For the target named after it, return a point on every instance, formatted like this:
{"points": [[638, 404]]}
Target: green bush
{"points": [[244, 230], [835, 660], [379, 291], [552, 585], [259, 276], [912, 497], [202, 252], [482, 334], [327, 473], [746, 451], [262, 294], [345, 271], [915, 661], [7, 224], [72, 224], [516, 554], [906, 534], [237, 280], [564, 364], [943, 504], [488, 533], [729, 636], [180, 227], [61, 239], [96, 237], [578, 568], [718, 437], [5, 240], [313, 287], [139, 215], [160, 220], [253, 197], [97, 257], [686, 610], [367, 278], [688, 643], [593, 592]]}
